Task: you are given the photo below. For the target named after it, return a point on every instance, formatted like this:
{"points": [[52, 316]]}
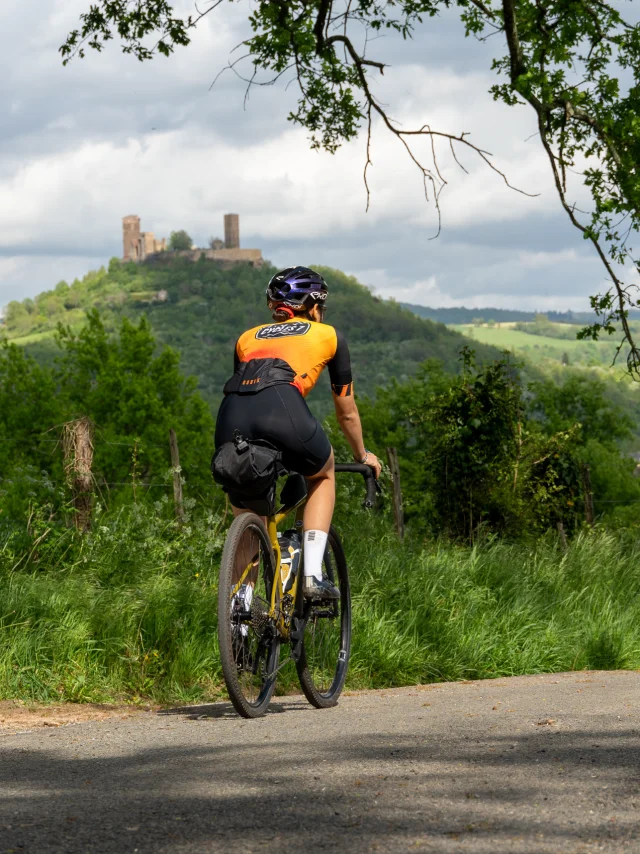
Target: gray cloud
{"points": [[393, 260], [83, 145], [25, 276]]}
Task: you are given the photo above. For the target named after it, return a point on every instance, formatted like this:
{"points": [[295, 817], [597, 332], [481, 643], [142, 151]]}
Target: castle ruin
{"points": [[137, 245], [140, 245], [231, 231]]}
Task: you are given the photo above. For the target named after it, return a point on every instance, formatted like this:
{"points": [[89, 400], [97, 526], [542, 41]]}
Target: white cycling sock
{"points": [[314, 545]]}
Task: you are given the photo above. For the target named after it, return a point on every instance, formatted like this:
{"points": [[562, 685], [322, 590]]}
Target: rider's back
{"points": [[304, 345]]}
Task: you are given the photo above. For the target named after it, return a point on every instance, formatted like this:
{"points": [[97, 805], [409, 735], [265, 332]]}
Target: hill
{"points": [[200, 309], [540, 350], [542, 339], [458, 316]]}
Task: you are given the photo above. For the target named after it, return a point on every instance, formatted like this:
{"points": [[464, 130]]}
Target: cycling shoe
{"points": [[319, 589]]}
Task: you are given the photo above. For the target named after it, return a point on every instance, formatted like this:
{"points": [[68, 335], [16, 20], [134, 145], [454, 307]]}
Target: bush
{"points": [[180, 240], [132, 394], [129, 611]]}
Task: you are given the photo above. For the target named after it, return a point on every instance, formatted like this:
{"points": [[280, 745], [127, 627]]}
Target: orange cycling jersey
{"points": [[306, 346]]}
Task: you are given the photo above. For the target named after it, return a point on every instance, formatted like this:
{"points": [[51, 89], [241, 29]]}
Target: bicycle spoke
{"points": [[248, 642], [322, 645], [323, 666]]}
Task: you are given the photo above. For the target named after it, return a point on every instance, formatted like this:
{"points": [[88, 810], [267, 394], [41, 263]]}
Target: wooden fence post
{"points": [[398, 512], [134, 470], [563, 535], [77, 447], [589, 514], [177, 480]]}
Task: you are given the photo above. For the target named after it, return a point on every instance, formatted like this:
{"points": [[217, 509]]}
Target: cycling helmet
{"points": [[297, 287]]}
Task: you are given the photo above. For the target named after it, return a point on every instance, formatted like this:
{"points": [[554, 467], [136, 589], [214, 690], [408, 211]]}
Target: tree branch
{"points": [[358, 60], [428, 176], [633, 359], [518, 67]]}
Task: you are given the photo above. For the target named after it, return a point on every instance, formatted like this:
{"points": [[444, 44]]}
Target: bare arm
{"points": [[349, 421]]}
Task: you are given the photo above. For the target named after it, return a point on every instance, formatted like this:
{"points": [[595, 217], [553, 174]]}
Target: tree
{"points": [[134, 396], [29, 408], [576, 63], [132, 393], [579, 398], [180, 240], [471, 457], [473, 427]]}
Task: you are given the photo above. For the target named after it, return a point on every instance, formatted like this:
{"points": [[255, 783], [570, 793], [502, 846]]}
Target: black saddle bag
{"points": [[246, 467]]}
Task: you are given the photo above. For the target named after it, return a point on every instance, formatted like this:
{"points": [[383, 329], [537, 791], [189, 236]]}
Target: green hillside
{"points": [[201, 308], [557, 343], [459, 316], [542, 339]]}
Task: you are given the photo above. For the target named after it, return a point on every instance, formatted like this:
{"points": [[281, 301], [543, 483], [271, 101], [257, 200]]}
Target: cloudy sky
{"points": [[107, 136]]}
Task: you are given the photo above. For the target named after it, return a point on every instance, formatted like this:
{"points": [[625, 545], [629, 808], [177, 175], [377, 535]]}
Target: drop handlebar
{"points": [[372, 485]]}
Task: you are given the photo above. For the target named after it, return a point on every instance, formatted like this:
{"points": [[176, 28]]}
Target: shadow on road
{"points": [[533, 793], [226, 710]]}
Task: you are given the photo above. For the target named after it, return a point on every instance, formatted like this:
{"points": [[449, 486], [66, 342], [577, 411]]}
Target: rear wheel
{"points": [[322, 667], [247, 636]]}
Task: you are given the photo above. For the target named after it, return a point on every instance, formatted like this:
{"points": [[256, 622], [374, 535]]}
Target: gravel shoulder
{"points": [[530, 764], [16, 716]]}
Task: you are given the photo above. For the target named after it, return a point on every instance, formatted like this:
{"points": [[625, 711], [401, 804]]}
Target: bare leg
{"points": [[321, 498]]}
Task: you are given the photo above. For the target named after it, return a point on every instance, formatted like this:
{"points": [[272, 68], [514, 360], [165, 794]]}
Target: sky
{"points": [[84, 145]]}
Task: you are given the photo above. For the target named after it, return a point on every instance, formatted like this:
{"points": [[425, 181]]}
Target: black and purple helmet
{"points": [[297, 287]]}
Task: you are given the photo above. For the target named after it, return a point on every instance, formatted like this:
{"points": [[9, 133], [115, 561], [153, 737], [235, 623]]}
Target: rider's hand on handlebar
{"points": [[375, 464]]}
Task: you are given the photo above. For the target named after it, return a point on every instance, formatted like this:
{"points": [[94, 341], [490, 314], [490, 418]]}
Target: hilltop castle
{"points": [[140, 245]]}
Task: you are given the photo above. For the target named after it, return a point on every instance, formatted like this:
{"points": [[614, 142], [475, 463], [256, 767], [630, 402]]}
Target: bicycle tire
{"points": [[323, 696], [248, 641]]}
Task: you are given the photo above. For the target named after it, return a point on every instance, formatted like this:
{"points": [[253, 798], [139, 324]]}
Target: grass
{"points": [[34, 338], [540, 347], [499, 610], [128, 613]]}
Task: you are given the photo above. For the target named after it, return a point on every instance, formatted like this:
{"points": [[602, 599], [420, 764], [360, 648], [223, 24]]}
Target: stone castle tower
{"points": [[231, 231], [130, 237], [138, 245]]}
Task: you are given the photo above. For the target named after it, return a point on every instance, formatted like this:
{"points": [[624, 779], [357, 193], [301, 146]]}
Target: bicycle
{"points": [[261, 606]]}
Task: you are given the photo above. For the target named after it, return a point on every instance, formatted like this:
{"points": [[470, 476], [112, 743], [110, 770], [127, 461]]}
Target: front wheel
{"points": [[247, 635], [323, 663]]}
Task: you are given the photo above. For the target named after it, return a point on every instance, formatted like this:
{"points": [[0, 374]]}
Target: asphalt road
{"points": [[533, 764]]}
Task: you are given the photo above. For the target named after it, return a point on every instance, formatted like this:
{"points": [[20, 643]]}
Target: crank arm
{"points": [[283, 664], [296, 635]]}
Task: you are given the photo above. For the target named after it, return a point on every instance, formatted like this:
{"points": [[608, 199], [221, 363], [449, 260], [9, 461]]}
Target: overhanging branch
{"points": [[518, 69]]}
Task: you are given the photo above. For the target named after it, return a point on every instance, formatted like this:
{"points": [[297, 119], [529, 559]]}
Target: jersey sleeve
{"points": [[340, 369]]}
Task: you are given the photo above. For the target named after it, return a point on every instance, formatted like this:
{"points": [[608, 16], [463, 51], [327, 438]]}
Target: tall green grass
{"points": [[129, 611], [448, 612]]}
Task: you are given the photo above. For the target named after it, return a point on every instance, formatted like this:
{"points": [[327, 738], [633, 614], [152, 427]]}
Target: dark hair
{"points": [[280, 312]]}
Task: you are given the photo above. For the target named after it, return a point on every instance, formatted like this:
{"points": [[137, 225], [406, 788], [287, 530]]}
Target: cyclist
{"points": [[275, 367]]}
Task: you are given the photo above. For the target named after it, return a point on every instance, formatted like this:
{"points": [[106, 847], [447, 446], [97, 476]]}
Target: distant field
{"points": [[538, 348], [34, 338]]}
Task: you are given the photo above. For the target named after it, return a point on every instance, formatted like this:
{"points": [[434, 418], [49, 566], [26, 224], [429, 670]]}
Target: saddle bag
{"points": [[246, 467]]}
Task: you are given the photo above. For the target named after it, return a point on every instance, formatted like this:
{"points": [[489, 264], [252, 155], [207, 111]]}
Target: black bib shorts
{"points": [[280, 415]]}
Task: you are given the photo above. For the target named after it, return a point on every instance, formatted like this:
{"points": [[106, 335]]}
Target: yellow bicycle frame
{"points": [[277, 589]]}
